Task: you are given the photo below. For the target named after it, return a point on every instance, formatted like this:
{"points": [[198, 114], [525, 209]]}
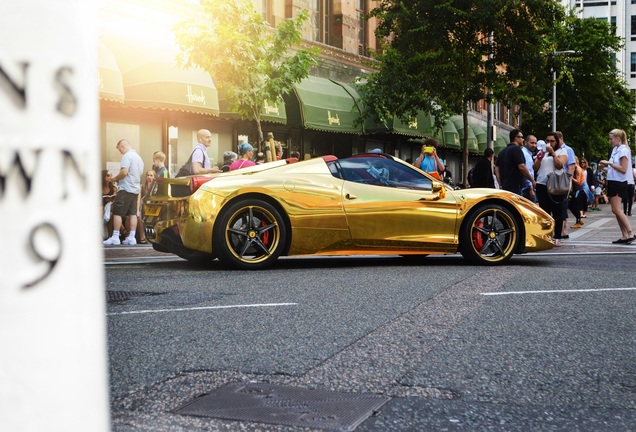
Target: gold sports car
{"points": [[364, 204]]}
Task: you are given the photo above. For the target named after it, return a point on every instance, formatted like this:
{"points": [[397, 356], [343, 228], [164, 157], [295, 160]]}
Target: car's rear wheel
{"points": [[250, 235], [489, 235]]}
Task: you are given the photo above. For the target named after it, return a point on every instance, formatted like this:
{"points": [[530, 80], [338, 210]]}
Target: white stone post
{"points": [[53, 358]]}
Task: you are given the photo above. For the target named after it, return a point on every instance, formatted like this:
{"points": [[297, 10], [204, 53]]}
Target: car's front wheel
{"points": [[250, 235], [489, 235]]}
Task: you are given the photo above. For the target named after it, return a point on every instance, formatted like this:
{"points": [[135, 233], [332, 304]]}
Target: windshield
{"points": [[379, 171]]}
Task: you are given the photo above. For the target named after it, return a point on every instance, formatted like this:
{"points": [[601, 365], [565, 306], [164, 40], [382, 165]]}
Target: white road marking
{"points": [[558, 291], [201, 308]]}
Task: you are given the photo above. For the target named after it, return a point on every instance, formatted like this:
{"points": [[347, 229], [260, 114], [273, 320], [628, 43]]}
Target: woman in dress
{"points": [[553, 160], [618, 172]]}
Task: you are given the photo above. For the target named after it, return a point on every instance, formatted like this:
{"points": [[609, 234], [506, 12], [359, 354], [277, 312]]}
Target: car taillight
{"points": [[196, 182]]}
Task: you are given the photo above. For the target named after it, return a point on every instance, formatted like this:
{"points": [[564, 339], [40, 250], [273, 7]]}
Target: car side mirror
{"points": [[437, 188]]}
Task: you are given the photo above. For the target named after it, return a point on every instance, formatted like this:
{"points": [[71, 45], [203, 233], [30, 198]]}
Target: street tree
{"points": [[437, 55], [249, 61], [592, 96]]}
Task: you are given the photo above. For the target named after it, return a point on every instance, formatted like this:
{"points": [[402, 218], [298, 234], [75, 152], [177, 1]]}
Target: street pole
{"points": [[554, 105], [554, 83], [490, 133]]}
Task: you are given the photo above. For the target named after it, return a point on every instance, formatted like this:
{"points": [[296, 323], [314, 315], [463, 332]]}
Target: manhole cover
{"points": [[290, 406], [120, 296]]}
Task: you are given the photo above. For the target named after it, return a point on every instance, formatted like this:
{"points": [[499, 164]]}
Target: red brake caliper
{"points": [[265, 237], [478, 239]]}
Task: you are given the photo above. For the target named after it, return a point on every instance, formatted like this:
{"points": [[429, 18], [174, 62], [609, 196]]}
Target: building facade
{"points": [[147, 98], [621, 14]]}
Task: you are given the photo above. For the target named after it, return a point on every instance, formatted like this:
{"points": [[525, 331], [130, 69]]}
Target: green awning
{"points": [[420, 125], [500, 143], [449, 136], [482, 137], [109, 80], [321, 104], [153, 79], [473, 146], [273, 112], [165, 86]]}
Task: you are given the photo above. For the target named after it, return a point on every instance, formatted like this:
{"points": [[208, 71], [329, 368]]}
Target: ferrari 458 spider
{"points": [[364, 204]]}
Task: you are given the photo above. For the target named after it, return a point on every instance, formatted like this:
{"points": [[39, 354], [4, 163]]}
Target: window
{"points": [[379, 171], [633, 65], [267, 12], [362, 28], [319, 13]]}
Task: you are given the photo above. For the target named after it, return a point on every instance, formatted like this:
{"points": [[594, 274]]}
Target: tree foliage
{"points": [[250, 62], [436, 55], [592, 97]]}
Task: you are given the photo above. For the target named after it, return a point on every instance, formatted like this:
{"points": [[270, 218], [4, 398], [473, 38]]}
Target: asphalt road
{"points": [[544, 343]]}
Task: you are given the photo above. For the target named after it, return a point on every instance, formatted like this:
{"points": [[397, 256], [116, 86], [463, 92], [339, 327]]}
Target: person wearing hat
{"points": [[245, 152]]}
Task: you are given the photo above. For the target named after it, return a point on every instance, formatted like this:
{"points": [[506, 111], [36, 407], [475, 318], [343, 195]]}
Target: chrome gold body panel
{"points": [[327, 206]]}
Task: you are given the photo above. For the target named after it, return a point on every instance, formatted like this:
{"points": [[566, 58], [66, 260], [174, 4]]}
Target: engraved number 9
{"points": [[45, 243]]}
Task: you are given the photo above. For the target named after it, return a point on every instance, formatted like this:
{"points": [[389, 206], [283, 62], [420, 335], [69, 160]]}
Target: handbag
{"points": [[558, 183], [107, 211], [186, 169]]}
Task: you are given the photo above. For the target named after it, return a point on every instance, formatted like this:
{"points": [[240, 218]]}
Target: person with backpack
{"points": [[199, 162]]}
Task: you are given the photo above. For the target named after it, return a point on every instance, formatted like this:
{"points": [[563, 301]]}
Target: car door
{"points": [[391, 205]]}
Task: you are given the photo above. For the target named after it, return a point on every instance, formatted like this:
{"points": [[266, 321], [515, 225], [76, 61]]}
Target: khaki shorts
{"points": [[125, 204]]}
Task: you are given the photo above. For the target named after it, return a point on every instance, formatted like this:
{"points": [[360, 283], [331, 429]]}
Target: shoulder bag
{"points": [[559, 183], [186, 169]]}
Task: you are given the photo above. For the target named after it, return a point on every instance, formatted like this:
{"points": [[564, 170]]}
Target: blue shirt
{"points": [[135, 166], [529, 164]]}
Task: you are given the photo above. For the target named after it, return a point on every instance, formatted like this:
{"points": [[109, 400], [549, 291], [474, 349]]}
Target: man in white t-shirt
{"points": [[128, 188]]}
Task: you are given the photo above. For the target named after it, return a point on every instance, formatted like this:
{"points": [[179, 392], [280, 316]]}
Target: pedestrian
{"points": [[151, 175], [129, 187], [482, 172], [278, 147], [600, 177], [159, 165], [553, 160], [200, 160], [228, 158], [109, 191], [529, 147], [627, 204], [245, 151], [618, 173], [428, 160], [260, 158], [570, 167], [578, 196], [587, 187], [510, 168]]}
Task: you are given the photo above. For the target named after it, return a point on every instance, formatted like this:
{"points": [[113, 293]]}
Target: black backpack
{"points": [[186, 169]]}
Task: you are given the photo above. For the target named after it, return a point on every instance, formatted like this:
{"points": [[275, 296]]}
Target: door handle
{"points": [[350, 196]]}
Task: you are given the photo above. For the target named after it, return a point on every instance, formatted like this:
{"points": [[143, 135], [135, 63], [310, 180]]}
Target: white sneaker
{"points": [[112, 241], [129, 241]]}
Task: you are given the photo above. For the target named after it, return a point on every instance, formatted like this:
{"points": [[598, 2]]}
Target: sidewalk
{"points": [[599, 231]]}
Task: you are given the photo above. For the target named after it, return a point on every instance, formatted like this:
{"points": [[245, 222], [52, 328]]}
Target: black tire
{"points": [[489, 235], [249, 235]]}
